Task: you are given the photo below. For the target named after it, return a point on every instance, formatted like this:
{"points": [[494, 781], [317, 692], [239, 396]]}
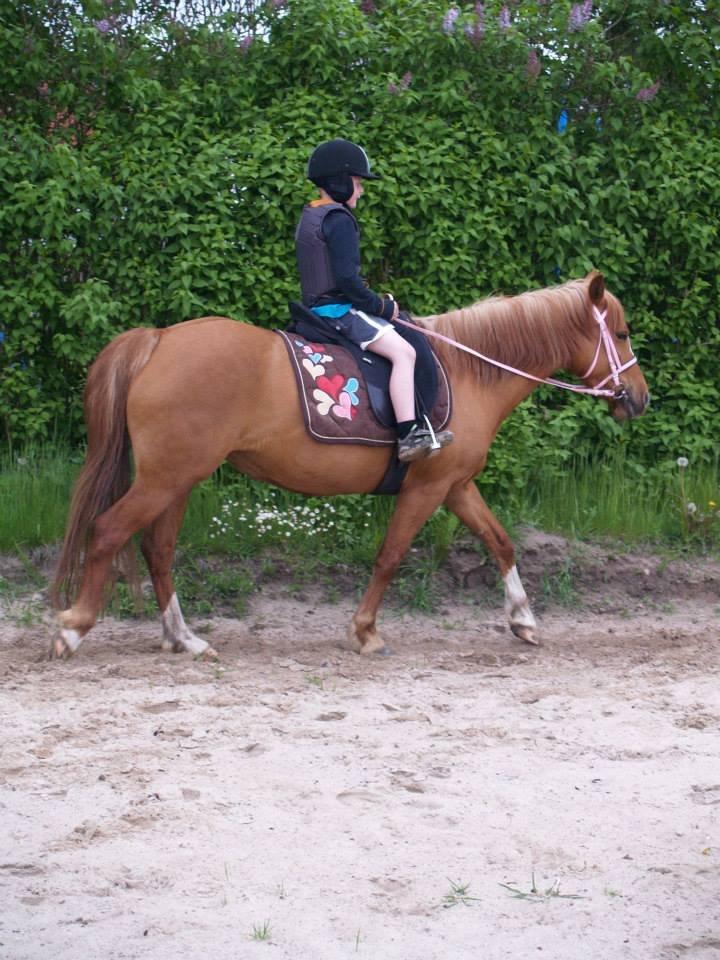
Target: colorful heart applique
{"points": [[344, 407], [351, 388], [324, 402], [315, 370], [331, 385]]}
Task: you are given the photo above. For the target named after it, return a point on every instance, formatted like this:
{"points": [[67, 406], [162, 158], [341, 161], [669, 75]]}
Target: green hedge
{"points": [[152, 171]]}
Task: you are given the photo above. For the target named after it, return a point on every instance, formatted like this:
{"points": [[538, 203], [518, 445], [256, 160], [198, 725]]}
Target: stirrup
{"points": [[421, 443], [435, 445]]}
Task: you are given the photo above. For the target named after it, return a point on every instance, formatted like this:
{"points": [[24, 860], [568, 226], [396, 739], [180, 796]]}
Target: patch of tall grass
{"points": [[35, 487], [230, 514], [670, 503]]}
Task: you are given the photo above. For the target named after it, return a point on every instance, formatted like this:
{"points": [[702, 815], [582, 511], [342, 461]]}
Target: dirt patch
{"points": [[467, 796]]}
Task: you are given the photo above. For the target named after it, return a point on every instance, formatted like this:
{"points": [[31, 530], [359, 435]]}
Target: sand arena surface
{"points": [[469, 796]]}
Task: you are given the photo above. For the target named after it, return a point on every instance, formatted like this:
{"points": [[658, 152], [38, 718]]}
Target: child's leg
{"points": [[402, 376]]}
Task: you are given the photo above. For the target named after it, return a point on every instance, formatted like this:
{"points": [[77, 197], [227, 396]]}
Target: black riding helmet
{"points": [[333, 164]]}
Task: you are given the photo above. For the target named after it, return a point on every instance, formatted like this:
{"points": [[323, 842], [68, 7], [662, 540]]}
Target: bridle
{"points": [[613, 357], [599, 390]]}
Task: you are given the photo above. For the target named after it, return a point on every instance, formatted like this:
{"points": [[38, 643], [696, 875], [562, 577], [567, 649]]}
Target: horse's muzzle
{"points": [[626, 405]]}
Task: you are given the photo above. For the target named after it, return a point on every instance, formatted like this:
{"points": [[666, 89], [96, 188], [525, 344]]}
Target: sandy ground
{"points": [[468, 796]]}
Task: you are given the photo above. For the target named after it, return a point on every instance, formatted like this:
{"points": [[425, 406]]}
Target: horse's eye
{"points": [[622, 336]]}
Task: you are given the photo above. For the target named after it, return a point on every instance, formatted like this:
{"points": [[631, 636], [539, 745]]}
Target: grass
{"points": [[615, 498], [333, 541], [459, 894], [261, 931], [536, 895], [34, 496]]}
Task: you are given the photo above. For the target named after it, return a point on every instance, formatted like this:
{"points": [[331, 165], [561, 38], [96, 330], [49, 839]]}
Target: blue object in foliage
{"points": [[2, 336], [562, 121]]}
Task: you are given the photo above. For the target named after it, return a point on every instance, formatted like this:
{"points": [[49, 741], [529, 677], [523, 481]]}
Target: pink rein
{"points": [[604, 339]]}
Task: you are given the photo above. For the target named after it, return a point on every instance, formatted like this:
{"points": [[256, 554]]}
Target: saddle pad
{"points": [[334, 397]]}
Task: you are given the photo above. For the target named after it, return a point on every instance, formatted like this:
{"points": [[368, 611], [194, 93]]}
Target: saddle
{"points": [[344, 390]]}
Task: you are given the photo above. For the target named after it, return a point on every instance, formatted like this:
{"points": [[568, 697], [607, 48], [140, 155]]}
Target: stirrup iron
{"points": [[435, 445]]}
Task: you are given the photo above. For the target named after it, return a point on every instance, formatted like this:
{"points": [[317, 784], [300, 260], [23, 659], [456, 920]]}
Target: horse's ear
{"points": [[596, 287]]}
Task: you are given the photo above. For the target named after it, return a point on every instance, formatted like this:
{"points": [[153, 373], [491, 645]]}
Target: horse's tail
{"points": [[105, 477]]}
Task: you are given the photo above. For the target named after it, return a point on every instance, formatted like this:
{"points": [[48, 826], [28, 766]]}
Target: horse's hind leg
{"points": [[468, 505], [158, 548], [137, 509]]}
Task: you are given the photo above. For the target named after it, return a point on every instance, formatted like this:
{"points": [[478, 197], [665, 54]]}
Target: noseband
{"points": [[599, 390]]}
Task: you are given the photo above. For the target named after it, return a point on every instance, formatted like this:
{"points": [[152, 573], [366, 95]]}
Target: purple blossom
{"points": [[533, 64], [405, 82], [279, 4], [580, 14], [449, 20], [245, 44], [648, 93], [103, 26], [367, 6], [504, 18], [476, 31]]}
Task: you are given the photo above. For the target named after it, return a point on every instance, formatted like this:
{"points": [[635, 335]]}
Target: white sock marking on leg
{"points": [[176, 631], [72, 639], [517, 606]]}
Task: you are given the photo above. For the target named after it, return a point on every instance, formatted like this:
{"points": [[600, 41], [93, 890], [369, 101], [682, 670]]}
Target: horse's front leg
{"points": [[412, 509], [468, 505]]}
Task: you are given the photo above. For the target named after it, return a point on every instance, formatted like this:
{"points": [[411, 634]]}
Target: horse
{"points": [[181, 400]]}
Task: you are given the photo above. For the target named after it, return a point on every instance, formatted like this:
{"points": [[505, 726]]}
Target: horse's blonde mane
{"points": [[527, 331]]}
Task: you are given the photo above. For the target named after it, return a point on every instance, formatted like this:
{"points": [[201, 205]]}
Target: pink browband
{"points": [[604, 339]]}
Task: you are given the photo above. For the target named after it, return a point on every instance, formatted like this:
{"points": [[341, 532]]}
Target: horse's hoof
{"points": [[59, 650], [374, 646], [371, 643], [525, 633]]}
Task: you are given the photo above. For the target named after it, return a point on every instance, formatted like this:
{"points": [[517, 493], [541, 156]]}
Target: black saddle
{"points": [[375, 369]]}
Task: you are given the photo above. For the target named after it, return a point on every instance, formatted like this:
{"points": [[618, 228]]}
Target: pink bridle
{"points": [[604, 339]]}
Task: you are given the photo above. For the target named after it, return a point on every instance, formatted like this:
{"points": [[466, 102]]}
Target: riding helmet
{"points": [[333, 164], [339, 157]]}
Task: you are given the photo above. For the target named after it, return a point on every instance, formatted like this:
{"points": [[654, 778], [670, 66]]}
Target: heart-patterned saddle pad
{"points": [[334, 396]]}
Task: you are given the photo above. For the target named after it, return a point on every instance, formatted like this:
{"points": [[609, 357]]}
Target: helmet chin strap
{"points": [[339, 186]]}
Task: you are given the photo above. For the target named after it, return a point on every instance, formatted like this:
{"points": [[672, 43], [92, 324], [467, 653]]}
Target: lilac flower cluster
{"points": [[580, 14], [103, 26], [648, 93], [449, 20], [476, 31], [367, 6], [405, 82], [533, 64], [504, 18]]}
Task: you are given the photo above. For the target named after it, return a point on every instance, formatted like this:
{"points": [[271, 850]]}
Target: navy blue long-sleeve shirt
{"points": [[342, 239]]}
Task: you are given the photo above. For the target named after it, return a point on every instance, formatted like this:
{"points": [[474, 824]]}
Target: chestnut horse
{"points": [[185, 398]]}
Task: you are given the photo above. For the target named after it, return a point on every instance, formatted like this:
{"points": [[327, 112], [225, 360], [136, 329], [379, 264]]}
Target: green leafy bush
{"points": [[153, 170]]}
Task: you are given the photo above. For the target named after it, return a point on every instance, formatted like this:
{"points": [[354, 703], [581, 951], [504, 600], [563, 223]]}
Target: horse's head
{"points": [[606, 360]]}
